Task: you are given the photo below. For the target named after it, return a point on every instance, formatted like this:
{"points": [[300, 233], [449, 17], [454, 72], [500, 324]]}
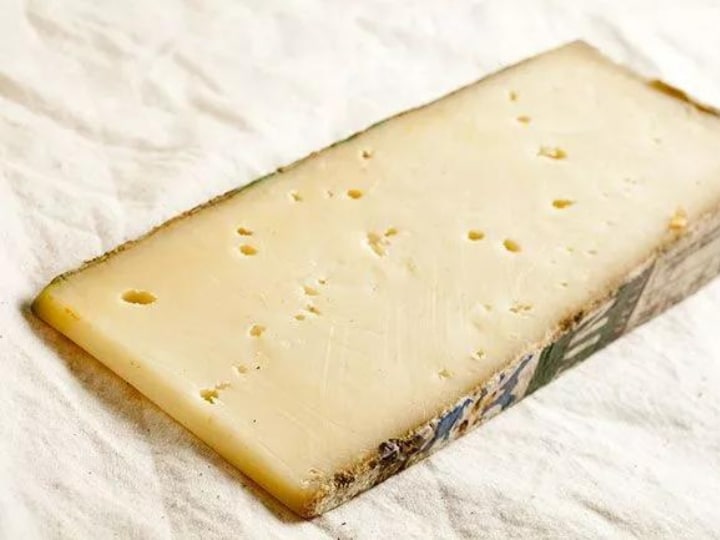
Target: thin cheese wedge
{"points": [[333, 323]]}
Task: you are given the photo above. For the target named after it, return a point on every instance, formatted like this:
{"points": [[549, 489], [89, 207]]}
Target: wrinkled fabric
{"points": [[115, 116]]}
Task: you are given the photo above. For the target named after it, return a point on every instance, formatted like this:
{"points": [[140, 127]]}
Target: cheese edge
{"points": [[168, 394]]}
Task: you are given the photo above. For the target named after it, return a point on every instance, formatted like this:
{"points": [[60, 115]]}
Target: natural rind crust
{"points": [[680, 266]]}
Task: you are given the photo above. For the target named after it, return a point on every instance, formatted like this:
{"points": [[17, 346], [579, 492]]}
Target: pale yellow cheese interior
{"points": [[298, 324]]}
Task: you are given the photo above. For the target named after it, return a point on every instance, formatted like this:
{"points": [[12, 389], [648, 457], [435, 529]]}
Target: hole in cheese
{"points": [[256, 330], [242, 231], [562, 203], [210, 394], [377, 243], [134, 296], [354, 193], [679, 221], [520, 307], [552, 152], [512, 246], [247, 249], [310, 291], [475, 235]]}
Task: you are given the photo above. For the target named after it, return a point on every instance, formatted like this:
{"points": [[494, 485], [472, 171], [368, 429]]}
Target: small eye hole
{"points": [[310, 291], [134, 296], [562, 203], [256, 330], [552, 152], [211, 395], [475, 235], [512, 246]]}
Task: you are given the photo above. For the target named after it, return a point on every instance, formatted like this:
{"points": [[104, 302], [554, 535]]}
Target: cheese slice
{"points": [[334, 322]]}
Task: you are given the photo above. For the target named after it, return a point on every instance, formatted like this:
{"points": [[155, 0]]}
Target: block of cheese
{"points": [[340, 319]]}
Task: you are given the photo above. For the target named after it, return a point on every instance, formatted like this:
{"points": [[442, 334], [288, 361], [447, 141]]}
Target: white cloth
{"points": [[114, 116]]}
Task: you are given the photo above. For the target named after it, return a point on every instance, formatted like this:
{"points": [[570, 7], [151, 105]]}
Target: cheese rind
{"points": [[332, 324]]}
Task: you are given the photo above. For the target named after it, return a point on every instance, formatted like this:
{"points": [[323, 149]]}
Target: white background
{"points": [[116, 115]]}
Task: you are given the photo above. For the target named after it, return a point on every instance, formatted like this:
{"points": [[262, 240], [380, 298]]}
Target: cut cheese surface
{"points": [[298, 323]]}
